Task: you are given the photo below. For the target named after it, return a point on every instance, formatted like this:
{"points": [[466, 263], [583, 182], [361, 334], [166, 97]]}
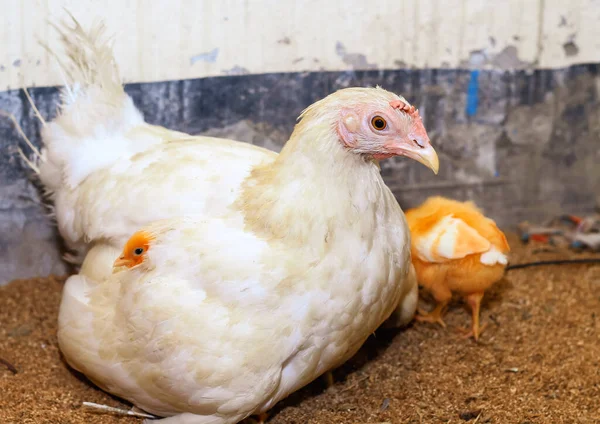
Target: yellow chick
{"points": [[455, 249], [134, 251]]}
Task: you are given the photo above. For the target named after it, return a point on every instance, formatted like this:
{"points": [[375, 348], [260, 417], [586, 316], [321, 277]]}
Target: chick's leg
{"points": [[474, 301], [433, 279], [434, 316], [442, 294]]}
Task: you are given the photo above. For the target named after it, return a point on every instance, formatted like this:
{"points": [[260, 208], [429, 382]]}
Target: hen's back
{"points": [[198, 175]]}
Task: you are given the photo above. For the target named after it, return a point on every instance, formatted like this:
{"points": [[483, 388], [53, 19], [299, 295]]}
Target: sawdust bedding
{"points": [[538, 361]]}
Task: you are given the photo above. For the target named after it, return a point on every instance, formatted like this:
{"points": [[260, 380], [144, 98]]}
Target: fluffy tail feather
{"points": [[91, 63], [95, 112]]}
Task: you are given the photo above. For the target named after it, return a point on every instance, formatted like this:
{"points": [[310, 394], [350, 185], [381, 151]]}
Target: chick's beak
{"points": [[121, 261]]}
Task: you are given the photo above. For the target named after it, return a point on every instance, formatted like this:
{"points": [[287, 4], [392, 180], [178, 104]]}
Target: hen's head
{"points": [[375, 122], [135, 250]]}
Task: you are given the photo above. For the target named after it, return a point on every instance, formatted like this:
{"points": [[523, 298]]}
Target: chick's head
{"points": [[135, 250]]}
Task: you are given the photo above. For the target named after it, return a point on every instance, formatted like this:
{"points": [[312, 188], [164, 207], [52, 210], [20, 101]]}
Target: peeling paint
{"points": [[285, 40], [210, 56], [507, 58], [355, 60], [571, 48], [236, 70], [477, 59], [17, 63], [527, 125], [563, 22]]}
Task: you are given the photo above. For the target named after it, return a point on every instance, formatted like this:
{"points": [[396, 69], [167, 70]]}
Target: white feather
{"points": [[494, 256], [450, 238]]}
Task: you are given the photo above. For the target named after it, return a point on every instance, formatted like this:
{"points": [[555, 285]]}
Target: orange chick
{"points": [[455, 249], [134, 251]]}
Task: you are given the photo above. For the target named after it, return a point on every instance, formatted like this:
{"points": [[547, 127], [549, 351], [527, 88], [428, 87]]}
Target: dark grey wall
{"points": [[523, 145]]}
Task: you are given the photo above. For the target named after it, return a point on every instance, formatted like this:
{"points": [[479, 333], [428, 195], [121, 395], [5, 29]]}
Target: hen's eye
{"points": [[378, 123], [138, 251]]}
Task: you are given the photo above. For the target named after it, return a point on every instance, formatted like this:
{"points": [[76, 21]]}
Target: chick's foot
{"points": [[434, 316]]}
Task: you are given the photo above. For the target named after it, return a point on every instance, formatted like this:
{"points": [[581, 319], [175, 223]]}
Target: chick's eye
{"points": [[378, 123], [138, 251]]}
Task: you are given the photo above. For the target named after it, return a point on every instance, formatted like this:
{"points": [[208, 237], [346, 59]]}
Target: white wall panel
{"points": [[169, 39]]}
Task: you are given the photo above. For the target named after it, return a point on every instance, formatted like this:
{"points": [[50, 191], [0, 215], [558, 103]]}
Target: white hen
{"points": [[290, 262], [225, 316]]}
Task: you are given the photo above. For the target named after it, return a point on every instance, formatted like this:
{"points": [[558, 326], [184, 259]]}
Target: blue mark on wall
{"points": [[473, 94], [210, 56]]}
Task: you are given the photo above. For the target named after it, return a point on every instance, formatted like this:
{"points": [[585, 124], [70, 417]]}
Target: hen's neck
{"points": [[314, 188]]}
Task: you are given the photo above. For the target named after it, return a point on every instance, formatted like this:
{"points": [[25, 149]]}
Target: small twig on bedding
{"points": [[354, 384], [107, 408], [8, 365]]}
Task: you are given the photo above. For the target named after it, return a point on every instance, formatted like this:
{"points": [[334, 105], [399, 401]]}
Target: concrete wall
{"points": [[508, 91]]}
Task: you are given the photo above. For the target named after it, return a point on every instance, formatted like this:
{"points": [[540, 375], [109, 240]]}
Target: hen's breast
{"points": [[355, 287]]}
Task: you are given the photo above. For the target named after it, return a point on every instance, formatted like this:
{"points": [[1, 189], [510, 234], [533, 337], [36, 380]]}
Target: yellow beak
{"points": [[417, 149], [428, 157], [120, 262]]}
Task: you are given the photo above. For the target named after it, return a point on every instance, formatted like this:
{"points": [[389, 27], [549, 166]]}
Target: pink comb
{"points": [[400, 105]]}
